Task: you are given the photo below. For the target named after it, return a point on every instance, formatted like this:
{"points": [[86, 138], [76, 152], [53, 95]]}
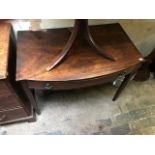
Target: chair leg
{"points": [[122, 86]]}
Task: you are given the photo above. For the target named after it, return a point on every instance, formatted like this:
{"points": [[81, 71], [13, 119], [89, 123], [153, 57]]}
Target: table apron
{"points": [[75, 84]]}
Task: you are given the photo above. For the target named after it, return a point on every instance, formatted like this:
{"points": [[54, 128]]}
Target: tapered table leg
{"points": [[123, 85]]}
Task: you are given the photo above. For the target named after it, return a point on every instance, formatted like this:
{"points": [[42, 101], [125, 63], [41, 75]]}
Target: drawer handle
{"points": [[48, 86], [2, 117]]}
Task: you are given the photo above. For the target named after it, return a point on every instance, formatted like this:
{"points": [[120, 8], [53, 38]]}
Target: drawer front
{"points": [[9, 102], [68, 85], [12, 115]]}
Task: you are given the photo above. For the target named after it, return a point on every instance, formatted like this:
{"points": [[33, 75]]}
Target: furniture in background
{"points": [[14, 104], [82, 67], [151, 57], [146, 68]]}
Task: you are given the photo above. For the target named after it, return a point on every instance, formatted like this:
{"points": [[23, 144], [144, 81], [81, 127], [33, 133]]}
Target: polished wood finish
{"points": [[14, 105], [36, 49], [80, 30], [75, 84], [82, 67]]}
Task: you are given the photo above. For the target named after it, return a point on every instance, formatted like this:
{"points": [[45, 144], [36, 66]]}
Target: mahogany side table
{"points": [[14, 104], [82, 67]]}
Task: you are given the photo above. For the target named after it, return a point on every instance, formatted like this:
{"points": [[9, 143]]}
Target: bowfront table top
{"points": [[4, 46], [36, 49]]}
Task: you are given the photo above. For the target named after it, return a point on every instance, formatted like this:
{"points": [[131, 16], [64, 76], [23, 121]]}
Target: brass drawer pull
{"points": [[48, 86], [2, 117]]}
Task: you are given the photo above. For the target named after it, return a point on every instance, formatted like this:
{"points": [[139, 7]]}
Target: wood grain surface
{"points": [[36, 50], [14, 104], [4, 45]]}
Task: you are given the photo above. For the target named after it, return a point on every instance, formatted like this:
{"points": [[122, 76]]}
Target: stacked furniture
{"points": [[14, 104]]}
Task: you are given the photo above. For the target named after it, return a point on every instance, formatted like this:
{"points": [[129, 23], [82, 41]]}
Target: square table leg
{"points": [[30, 96]]}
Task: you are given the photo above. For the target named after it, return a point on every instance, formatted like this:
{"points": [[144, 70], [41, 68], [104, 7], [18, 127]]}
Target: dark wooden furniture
{"points": [[146, 68], [14, 105], [80, 31], [151, 58], [82, 67]]}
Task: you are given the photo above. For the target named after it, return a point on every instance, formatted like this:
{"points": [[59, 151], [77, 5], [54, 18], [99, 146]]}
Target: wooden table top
{"points": [[36, 50], [4, 48]]}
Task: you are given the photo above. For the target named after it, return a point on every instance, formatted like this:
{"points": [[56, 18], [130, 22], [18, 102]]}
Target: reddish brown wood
{"points": [[75, 84], [83, 67], [14, 105], [81, 30], [36, 49]]}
